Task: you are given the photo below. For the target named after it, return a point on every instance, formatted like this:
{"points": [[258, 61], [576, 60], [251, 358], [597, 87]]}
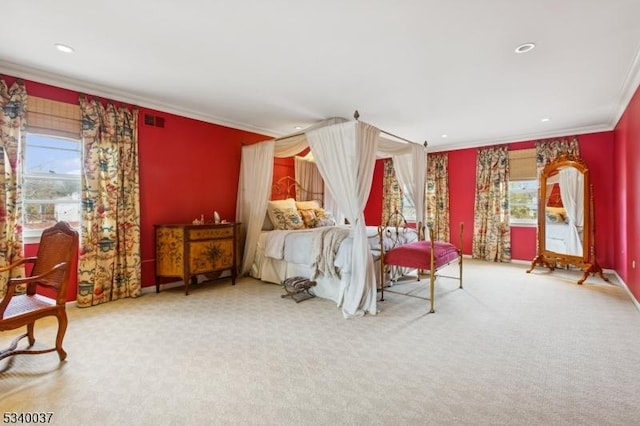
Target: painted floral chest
{"points": [[184, 251]]}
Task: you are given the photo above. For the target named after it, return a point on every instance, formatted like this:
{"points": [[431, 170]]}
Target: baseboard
{"points": [[152, 288], [624, 285], [180, 283]]}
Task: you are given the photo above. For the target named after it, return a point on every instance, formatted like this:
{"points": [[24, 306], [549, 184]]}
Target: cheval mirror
{"points": [[566, 225]]}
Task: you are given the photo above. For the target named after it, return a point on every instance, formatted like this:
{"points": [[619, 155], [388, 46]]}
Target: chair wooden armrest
{"points": [[41, 278], [17, 263], [58, 247]]}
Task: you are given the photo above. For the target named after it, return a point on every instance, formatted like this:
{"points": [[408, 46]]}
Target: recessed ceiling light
{"points": [[526, 47], [64, 48], [445, 136], [544, 120], [298, 127]]}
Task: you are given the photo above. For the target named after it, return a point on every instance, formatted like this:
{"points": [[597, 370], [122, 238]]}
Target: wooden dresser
{"points": [[184, 251]]}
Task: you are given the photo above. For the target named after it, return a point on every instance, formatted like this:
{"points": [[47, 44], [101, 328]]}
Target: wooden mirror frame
{"points": [[550, 259]]}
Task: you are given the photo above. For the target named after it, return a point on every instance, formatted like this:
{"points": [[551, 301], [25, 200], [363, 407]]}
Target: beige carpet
{"points": [[510, 348]]}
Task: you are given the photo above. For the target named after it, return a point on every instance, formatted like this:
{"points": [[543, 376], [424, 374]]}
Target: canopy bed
{"points": [[345, 153], [566, 225]]}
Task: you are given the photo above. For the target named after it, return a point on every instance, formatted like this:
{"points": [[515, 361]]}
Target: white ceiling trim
{"points": [[524, 138], [57, 80], [628, 89]]}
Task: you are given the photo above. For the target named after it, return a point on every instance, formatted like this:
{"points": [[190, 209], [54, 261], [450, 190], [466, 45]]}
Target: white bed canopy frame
{"points": [[345, 153]]}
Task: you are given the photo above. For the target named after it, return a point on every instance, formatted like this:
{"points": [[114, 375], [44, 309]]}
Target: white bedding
{"points": [[556, 235], [322, 254], [313, 247]]}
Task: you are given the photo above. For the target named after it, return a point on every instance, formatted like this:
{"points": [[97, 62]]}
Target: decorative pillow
{"points": [[287, 219], [289, 203], [324, 218], [284, 215], [309, 217], [307, 205]]}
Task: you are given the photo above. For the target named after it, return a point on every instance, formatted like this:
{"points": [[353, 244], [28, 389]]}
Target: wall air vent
{"points": [[152, 120]]}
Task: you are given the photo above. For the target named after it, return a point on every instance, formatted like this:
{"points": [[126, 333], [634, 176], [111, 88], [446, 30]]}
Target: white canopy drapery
{"points": [[572, 195], [254, 190], [345, 154], [311, 185], [313, 188], [410, 165]]}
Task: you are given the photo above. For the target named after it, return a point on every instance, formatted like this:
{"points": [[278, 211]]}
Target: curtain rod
{"points": [[398, 137], [281, 138], [356, 115]]}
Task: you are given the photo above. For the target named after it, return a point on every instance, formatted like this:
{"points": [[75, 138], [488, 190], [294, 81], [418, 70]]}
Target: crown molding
{"points": [[58, 80], [627, 90], [524, 137]]}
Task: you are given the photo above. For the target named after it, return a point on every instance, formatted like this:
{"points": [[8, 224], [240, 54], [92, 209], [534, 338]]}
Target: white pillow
{"points": [[284, 214], [307, 205]]}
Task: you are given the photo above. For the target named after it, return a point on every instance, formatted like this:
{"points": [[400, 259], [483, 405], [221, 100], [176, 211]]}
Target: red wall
{"points": [[187, 168], [626, 195], [597, 151], [373, 209], [462, 178]]}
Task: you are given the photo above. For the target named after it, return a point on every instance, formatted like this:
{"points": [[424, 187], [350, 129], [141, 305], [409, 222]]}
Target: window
{"points": [[523, 187], [523, 202], [51, 189], [52, 164], [408, 209]]}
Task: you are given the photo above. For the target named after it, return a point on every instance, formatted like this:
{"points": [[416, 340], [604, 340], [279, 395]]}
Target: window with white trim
{"points": [[51, 188], [523, 188], [52, 166]]}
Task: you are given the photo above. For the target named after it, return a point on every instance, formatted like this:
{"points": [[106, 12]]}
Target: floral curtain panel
{"points": [[13, 111], [109, 265], [549, 149], [437, 195], [391, 191], [491, 232]]}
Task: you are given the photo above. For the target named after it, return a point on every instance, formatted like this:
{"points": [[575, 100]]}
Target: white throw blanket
{"points": [[323, 244], [331, 239]]}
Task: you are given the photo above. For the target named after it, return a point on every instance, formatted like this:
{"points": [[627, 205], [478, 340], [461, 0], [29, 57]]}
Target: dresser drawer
{"points": [[212, 255], [210, 233]]}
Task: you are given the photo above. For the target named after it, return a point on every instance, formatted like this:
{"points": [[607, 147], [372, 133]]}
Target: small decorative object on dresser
{"points": [[216, 217], [184, 251]]}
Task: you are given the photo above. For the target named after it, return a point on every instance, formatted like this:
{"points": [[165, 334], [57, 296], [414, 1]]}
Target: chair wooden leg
{"points": [[32, 338], [62, 328]]}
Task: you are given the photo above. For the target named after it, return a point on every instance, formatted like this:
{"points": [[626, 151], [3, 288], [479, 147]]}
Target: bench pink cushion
{"points": [[417, 254]]}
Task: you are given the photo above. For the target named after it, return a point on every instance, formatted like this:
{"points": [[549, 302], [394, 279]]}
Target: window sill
{"points": [[31, 240], [523, 224]]}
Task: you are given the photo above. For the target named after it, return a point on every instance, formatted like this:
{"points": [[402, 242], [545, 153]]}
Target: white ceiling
{"points": [[415, 68]]}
